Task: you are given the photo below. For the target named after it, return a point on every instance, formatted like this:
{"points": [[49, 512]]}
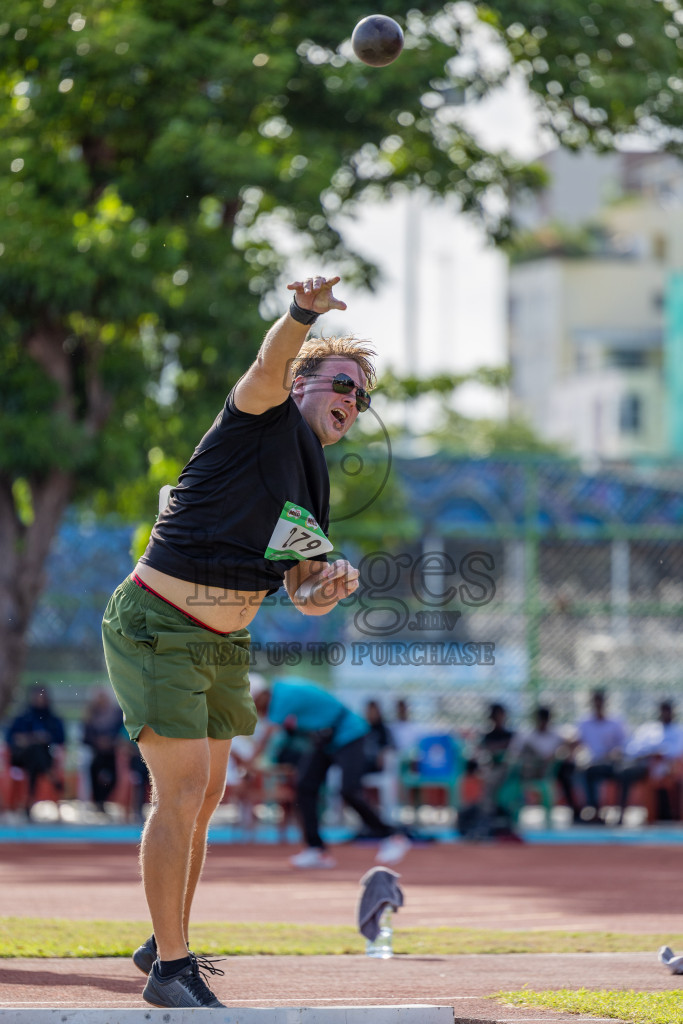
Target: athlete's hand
{"points": [[315, 293], [316, 587], [336, 581]]}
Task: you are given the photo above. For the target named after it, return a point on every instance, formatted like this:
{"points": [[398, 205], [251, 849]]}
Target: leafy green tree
{"points": [[152, 155], [601, 69], [454, 433], [560, 241]]}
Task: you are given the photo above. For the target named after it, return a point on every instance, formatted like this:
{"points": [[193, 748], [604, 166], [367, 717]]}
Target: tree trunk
{"points": [[25, 543], [24, 548]]}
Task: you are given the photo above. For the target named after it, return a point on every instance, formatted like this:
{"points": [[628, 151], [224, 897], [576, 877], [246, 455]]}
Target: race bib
{"points": [[296, 535]]}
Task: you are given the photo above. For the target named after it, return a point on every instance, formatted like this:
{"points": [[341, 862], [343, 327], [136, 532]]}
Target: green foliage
{"points": [[444, 384], [457, 434], [368, 504], [481, 438], [558, 240], [636, 1007], [43, 937], [600, 69], [154, 152], [140, 539]]}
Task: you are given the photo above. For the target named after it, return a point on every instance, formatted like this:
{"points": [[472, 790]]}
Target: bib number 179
{"points": [[292, 539], [301, 540]]}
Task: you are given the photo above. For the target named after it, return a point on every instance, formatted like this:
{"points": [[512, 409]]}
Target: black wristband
{"points": [[302, 316]]}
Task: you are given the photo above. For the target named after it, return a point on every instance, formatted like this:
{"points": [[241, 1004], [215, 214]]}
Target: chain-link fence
{"points": [[534, 583], [531, 581]]}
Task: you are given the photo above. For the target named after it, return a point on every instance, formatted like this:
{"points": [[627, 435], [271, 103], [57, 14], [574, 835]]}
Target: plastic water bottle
{"points": [[381, 948]]}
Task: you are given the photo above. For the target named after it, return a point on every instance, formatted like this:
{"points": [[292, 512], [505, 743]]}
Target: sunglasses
{"points": [[343, 385]]}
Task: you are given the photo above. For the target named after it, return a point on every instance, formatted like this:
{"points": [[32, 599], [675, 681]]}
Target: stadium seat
{"points": [[436, 763]]}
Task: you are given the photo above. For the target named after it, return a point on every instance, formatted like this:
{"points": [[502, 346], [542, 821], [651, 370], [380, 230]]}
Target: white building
{"points": [[591, 336]]}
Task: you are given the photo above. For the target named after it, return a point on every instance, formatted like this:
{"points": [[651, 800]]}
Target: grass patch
{"points": [[45, 937], [634, 1007]]}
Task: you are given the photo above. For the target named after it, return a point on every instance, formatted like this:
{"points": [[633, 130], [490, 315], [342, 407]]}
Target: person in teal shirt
{"points": [[337, 737]]}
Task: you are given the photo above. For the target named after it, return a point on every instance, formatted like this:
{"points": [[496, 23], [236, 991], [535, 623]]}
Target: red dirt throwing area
{"points": [[629, 888]]}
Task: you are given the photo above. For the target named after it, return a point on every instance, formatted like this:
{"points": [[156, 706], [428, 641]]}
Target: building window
{"points": [[630, 414], [660, 248], [626, 358]]}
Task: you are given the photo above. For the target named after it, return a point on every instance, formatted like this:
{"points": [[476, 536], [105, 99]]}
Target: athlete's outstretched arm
{"points": [[268, 380]]}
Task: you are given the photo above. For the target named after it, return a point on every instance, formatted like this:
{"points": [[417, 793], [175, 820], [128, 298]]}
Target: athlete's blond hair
{"points": [[315, 350]]}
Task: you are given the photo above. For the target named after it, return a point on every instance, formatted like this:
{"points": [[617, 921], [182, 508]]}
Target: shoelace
{"points": [[196, 983], [206, 963]]}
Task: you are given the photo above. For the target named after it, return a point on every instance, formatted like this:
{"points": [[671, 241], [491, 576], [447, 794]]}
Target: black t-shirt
{"points": [[496, 741], [222, 513]]}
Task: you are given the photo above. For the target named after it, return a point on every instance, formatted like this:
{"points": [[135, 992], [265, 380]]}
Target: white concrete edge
{"points": [[408, 1014]]}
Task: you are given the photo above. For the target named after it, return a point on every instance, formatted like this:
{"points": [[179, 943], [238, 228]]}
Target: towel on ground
{"points": [[380, 890]]}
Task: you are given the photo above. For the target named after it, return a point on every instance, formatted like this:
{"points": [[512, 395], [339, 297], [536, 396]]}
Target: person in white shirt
{"points": [[541, 753], [661, 740], [405, 733], [534, 750], [651, 754], [602, 741]]}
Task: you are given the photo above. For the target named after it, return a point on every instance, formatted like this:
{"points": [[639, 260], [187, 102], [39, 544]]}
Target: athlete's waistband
{"points": [[134, 578]]}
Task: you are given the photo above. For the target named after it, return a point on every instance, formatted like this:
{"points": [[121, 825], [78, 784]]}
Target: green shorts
{"points": [[167, 672]]}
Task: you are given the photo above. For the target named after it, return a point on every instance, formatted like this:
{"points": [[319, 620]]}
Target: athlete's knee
{"points": [[184, 792], [213, 794]]}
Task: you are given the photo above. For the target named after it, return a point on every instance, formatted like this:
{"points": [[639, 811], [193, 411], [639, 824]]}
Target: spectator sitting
{"points": [[140, 782], [381, 770], [242, 780], [652, 753], [272, 777], [36, 742], [602, 741], [491, 757], [377, 741], [102, 730], [405, 734], [497, 739], [472, 823], [542, 753]]}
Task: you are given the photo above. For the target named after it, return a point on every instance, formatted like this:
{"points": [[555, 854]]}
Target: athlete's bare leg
{"points": [[219, 751], [181, 772]]}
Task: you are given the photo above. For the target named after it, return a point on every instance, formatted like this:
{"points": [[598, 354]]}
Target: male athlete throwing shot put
{"points": [[249, 513]]}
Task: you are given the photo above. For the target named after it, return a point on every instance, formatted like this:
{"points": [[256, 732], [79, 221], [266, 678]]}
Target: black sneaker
{"points": [[145, 955], [186, 988]]}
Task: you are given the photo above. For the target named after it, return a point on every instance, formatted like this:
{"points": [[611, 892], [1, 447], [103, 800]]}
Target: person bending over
{"points": [[337, 737]]}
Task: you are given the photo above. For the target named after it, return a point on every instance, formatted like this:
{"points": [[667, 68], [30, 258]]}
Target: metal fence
{"points": [[531, 581], [568, 581]]}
